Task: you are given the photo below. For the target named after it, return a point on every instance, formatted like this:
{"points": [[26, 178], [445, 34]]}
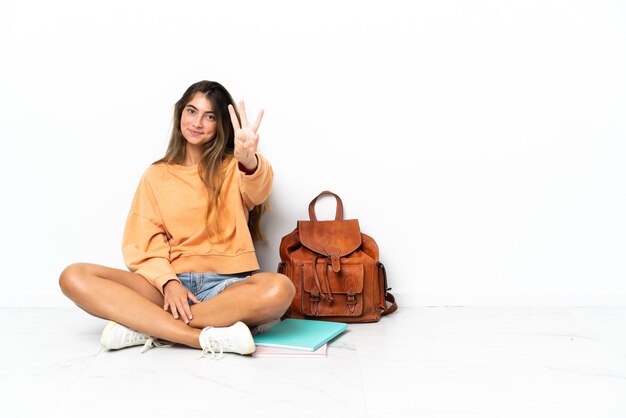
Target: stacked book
{"points": [[297, 338]]}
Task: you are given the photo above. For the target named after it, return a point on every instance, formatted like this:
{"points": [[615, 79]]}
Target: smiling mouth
{"points": [[195, 132]]}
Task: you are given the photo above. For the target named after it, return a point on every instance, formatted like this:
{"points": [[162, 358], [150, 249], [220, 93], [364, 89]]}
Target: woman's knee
{"points": [[73, 277], [280, 288]]}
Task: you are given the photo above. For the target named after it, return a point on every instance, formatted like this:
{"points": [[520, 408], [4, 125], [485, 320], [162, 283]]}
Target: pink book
{"points": [[271, 352]]}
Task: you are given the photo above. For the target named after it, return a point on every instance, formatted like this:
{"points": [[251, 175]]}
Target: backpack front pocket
{"points": [[329, 293]]}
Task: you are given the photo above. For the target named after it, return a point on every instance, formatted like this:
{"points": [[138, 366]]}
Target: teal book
{"points": [[300, 334]]}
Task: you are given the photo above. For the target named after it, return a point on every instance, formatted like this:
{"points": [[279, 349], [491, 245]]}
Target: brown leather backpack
{"points": [[335, 270]]}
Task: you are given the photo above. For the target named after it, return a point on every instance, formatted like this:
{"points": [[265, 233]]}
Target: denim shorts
{"points": [[206, 285]]}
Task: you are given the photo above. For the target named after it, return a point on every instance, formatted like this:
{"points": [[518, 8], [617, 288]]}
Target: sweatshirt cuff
{"points": [[247, 172], [161, 281]]}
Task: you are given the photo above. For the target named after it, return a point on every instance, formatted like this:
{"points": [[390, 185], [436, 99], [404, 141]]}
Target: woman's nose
{"points": [[197, 121]]}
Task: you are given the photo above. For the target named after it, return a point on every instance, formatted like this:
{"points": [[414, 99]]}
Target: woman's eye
{"points": [[210, 117], [190, 111]]}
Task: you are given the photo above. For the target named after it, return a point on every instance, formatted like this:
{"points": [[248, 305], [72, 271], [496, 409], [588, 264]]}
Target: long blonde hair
{"points": [[216, 153]]}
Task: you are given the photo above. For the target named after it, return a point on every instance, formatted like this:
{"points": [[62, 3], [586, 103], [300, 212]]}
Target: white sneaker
{"points": [[215, 341], [116, 336], [264, 327]]}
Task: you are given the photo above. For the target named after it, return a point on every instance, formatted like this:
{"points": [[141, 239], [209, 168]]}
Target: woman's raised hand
{"points": [[246, 137]]}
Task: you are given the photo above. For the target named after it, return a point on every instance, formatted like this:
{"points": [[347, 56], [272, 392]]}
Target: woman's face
{"points": [[198, 123]]}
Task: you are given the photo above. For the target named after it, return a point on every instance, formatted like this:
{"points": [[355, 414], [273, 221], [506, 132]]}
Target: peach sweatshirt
{"points": [[166, 230]]}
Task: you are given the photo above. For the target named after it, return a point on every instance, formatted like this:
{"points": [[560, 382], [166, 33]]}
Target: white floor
{"points": [[418, 362]]}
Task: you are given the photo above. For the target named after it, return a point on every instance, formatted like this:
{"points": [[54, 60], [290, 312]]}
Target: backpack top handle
{"points": [[338, 212]]}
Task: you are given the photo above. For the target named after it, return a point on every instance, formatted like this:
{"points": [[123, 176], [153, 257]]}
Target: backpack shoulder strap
{"points": [[391, 299], [388, 296]]}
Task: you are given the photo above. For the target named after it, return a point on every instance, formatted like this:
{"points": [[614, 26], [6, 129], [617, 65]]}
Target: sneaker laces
{"points": [[132, 336], [153, 342], [220, 342]]}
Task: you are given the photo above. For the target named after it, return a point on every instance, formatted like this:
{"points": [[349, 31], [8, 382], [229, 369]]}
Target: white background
{"points": [[481, 143]]}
